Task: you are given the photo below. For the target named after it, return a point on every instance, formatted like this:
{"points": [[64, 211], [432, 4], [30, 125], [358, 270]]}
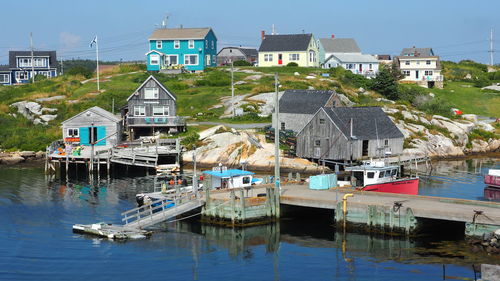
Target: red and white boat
{"points": [[376, 176], [492, 180]]}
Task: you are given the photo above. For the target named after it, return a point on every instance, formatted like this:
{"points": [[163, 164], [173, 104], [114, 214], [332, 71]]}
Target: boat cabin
{"points": [[372, 173], [222, 178]]}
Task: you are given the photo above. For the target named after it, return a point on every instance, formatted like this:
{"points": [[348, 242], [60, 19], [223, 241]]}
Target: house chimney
{"points": [[262, 35], [333, 36]]}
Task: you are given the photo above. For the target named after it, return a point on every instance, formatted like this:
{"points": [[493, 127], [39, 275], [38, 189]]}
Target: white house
{"points": [[420, 66], [346, 53]]}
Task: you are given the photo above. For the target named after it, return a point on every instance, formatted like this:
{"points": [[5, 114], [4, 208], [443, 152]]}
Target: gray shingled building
{"points": [[349, 133]]}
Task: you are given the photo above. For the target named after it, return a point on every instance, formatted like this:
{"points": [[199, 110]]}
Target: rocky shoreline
{"points": [[13, 158]]}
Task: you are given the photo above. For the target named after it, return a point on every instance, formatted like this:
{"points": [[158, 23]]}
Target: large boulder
{"points": [[437, 146], [27, 154], [47, 118], [11, 160]]}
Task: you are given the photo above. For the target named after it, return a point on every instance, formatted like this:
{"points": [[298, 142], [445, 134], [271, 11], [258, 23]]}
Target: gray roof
{"points": [[356, 58], [417, 52], [99, 111], [179, 33], [368, 122], [51, 54], [249, 52], [304, 101], [340, 45], [4, 68], [287, 42]]}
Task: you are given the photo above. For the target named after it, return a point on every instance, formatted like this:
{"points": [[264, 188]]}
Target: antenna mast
{"points": [[164, 22]]}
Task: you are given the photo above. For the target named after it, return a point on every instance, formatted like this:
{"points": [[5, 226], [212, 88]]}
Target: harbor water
{"points": [[36, 241]]}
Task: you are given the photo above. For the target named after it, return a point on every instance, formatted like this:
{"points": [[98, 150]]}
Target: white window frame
{"points": [[139, 110], [268, 57], [159, 44], [73, 133], [407, 62], [40, 62], [187, 62], [160, 110], [176, 59], [151, 93], [5, 80], [294, 57], [154, 59], [177, 44], [428, 62], [428, 73], [191, 44], [44, 73], [18, 75], [406, 73], [24, 62], [370, 66]]}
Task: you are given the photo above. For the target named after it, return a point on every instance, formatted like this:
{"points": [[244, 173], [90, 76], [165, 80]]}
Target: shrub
{"points": [[40, 77], [292, 64], [215, 79], [481, 81], [80, 70], [482, 135], [242, 63], [385, 84], [190, 140], [436, 106]]}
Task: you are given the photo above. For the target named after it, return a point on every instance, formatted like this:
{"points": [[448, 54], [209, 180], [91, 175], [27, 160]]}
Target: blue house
{"points": [[192, 48], [21, 66]]}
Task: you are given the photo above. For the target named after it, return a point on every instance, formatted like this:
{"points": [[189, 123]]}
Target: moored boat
{"points": [[376, 176], [492, 179]]}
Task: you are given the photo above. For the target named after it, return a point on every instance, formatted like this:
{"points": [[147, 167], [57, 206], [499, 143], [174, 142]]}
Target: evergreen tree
{"points": [[386, 84]]}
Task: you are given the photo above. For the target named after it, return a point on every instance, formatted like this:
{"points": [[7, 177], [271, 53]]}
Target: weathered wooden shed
{"points": [[349, 133], [94, 125], [152, 108], [297, 107]]}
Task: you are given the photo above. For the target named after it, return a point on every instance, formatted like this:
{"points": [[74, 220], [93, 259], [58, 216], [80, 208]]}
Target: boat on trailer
{"points": [[378, 177]]}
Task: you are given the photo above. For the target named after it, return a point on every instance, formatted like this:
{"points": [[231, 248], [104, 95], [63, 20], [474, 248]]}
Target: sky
{"points": [[455, 29]]}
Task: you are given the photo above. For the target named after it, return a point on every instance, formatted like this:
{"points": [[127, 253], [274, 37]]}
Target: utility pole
{"points": [[97, 59], [232, 87], [62, 66], [491, 47], [276, 135], [32, 59]]}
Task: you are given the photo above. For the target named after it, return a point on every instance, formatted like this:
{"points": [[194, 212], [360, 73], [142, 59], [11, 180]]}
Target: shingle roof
{"points": [[304, 101], [249, 52], [4, 68], [368, 122], [353, 57], [179, 33], [417, 52], [287, 42], [340, 45], [99, 111], [51, 54]]}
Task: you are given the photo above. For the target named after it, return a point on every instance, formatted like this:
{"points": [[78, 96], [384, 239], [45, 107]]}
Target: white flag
{"points": [[93, 41]]}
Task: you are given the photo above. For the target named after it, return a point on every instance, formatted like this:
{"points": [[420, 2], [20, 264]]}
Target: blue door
{"points": [[84, 136], [92, 134], [101, 133]]}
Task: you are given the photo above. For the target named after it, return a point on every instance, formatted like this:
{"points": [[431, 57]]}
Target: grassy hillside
{"points": [[198, 93]]}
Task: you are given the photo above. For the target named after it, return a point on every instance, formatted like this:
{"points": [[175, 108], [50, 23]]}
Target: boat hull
{"points": [[402, 186], [492, 193], [491, 180]]}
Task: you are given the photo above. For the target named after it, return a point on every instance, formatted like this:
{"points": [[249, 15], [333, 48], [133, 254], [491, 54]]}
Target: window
{"points": [[213, 44], [159, 44], [294, 57], [172, 60], [407, 62], [418, 62], [386, 142], [40, 62], [428, 62], [177, 44], [370, 66], [206, 44], [154, 59], [370, 175], [4, 78], [151, 93], [73, 133], [428, 72], [160, 110], [190, 59], [283, 126], [312, 56], [406, 72], [24, 62], [317, 143], [268, 57], [322, 121], [191, 44], [382, 174], [21, 75], [394, 172], [139, 110], [246, 180]]}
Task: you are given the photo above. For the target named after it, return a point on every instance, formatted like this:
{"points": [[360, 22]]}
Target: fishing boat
{"points": [[222, 178], [492, 180], [376, 176]]}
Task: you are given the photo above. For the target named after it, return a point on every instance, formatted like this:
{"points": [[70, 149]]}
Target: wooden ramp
{"points": [[160, 211]]}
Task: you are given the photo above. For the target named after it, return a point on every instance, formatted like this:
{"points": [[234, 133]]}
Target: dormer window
{"points": [[151, 93], [159, 44], [191, 44], [177, 44]]}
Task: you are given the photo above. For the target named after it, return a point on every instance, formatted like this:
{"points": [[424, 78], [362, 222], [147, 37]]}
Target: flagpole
{"points": [[97, 60]]}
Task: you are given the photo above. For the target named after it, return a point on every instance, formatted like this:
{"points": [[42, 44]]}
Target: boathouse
{"points": [[349, 133], [297, 107], [93, 126], [151, 109]]}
